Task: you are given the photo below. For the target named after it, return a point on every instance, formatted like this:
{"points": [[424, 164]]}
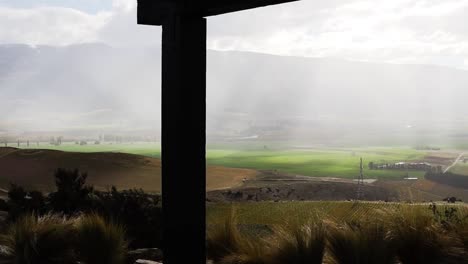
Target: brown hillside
{"points": [[36, 168], [423, 190]]}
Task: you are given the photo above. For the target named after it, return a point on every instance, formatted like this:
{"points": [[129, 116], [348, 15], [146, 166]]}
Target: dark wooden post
{"points": [[183, 138], [184, 117]]}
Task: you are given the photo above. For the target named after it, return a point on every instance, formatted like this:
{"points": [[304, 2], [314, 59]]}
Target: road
{"points": [[455, 162]]}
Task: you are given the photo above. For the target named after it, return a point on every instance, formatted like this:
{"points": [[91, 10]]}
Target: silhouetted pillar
{"points": [[183, 139]]}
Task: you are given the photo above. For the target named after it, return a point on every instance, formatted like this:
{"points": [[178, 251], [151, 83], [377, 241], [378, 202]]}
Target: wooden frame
{"points": [[184, 117], [153, 12]]}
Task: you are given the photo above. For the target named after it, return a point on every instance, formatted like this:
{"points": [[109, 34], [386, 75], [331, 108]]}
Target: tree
{"points": [[371, 165]]}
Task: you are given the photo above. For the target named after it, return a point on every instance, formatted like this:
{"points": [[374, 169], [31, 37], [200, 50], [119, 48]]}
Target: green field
{"points": [[343, 163], [460, 168], [317, 162]]}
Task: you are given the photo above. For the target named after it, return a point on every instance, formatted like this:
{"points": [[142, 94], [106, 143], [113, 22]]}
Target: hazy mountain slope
{"points": [[99, 88]]}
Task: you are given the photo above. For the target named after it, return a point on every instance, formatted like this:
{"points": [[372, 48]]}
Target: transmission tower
{"points": [[360, 187]]}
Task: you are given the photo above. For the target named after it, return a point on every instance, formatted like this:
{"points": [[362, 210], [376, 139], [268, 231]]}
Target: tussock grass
{"points": [[100, 242], [363, 242], [396, 234], [46, 239], [292, 243], [418, 238], [462, 231], [250, 251], [301, 244], [224, 239], [54, 239]]}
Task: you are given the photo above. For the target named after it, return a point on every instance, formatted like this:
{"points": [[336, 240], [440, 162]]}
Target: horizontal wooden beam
{"points": [[153, 12], [218, 7]]}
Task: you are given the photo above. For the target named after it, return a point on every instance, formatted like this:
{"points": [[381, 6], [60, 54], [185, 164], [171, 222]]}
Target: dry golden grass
{"points": [[100, 241], [360, 234], [222, 177], [31, 239], [54, 239], [34, 168]]}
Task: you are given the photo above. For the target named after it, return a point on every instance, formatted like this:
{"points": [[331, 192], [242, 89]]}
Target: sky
{"points": [[397, 31]]}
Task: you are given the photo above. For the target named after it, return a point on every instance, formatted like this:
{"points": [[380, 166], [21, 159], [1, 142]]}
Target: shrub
{"points": [[47, 239], [140, 212], [100, 242], [22, 202], [72, 194]]}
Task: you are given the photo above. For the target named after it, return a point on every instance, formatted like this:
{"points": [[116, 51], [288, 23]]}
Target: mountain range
{"points": [[97, 88]]}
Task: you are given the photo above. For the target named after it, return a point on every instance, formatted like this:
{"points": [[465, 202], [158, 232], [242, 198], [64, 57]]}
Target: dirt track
{"points": [[455, 162], [275, 186]]}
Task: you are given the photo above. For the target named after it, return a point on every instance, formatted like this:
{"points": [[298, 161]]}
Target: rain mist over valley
{"points": [[83, 91]]}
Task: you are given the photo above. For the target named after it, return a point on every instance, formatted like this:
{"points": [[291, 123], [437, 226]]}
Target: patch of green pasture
{"points": [[318, 162], [460, 168]]}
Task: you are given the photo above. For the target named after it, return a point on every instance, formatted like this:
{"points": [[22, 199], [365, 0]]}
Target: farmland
{"points": [[306, 169], [460, 168], [310, 161]]}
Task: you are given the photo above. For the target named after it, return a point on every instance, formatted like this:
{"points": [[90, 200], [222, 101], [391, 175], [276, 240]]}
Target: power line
{"points": [[360, 187]]}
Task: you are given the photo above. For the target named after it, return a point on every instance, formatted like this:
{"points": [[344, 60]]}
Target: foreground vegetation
{"points": [[76, 223], [351, 233], [87, 238], [135, 211], [277, 213]]}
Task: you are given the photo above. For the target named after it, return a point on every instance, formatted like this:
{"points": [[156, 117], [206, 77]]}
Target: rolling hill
{"points": [[35, 168]]}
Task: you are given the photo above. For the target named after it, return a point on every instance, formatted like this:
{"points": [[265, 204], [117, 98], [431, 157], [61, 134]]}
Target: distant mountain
{"points": [[100, 88]]}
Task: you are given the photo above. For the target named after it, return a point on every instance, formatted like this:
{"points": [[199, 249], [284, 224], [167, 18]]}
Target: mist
{"points": [[91, 89]]}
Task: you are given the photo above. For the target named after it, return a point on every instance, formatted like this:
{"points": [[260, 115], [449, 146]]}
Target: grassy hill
{"points": [[35, 168]]}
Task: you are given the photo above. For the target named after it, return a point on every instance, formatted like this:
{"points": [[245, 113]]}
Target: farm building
{"points": [[401, 166]]}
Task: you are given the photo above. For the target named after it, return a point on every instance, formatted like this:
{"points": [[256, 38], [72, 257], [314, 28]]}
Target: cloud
{"points": [[390, 31], [122, 29], [124, 5], [53, 25], [416, 31], [50, 25]]}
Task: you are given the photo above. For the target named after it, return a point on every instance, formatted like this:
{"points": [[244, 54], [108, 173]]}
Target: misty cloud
{"points": [[50, 26], [400, 31]]}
